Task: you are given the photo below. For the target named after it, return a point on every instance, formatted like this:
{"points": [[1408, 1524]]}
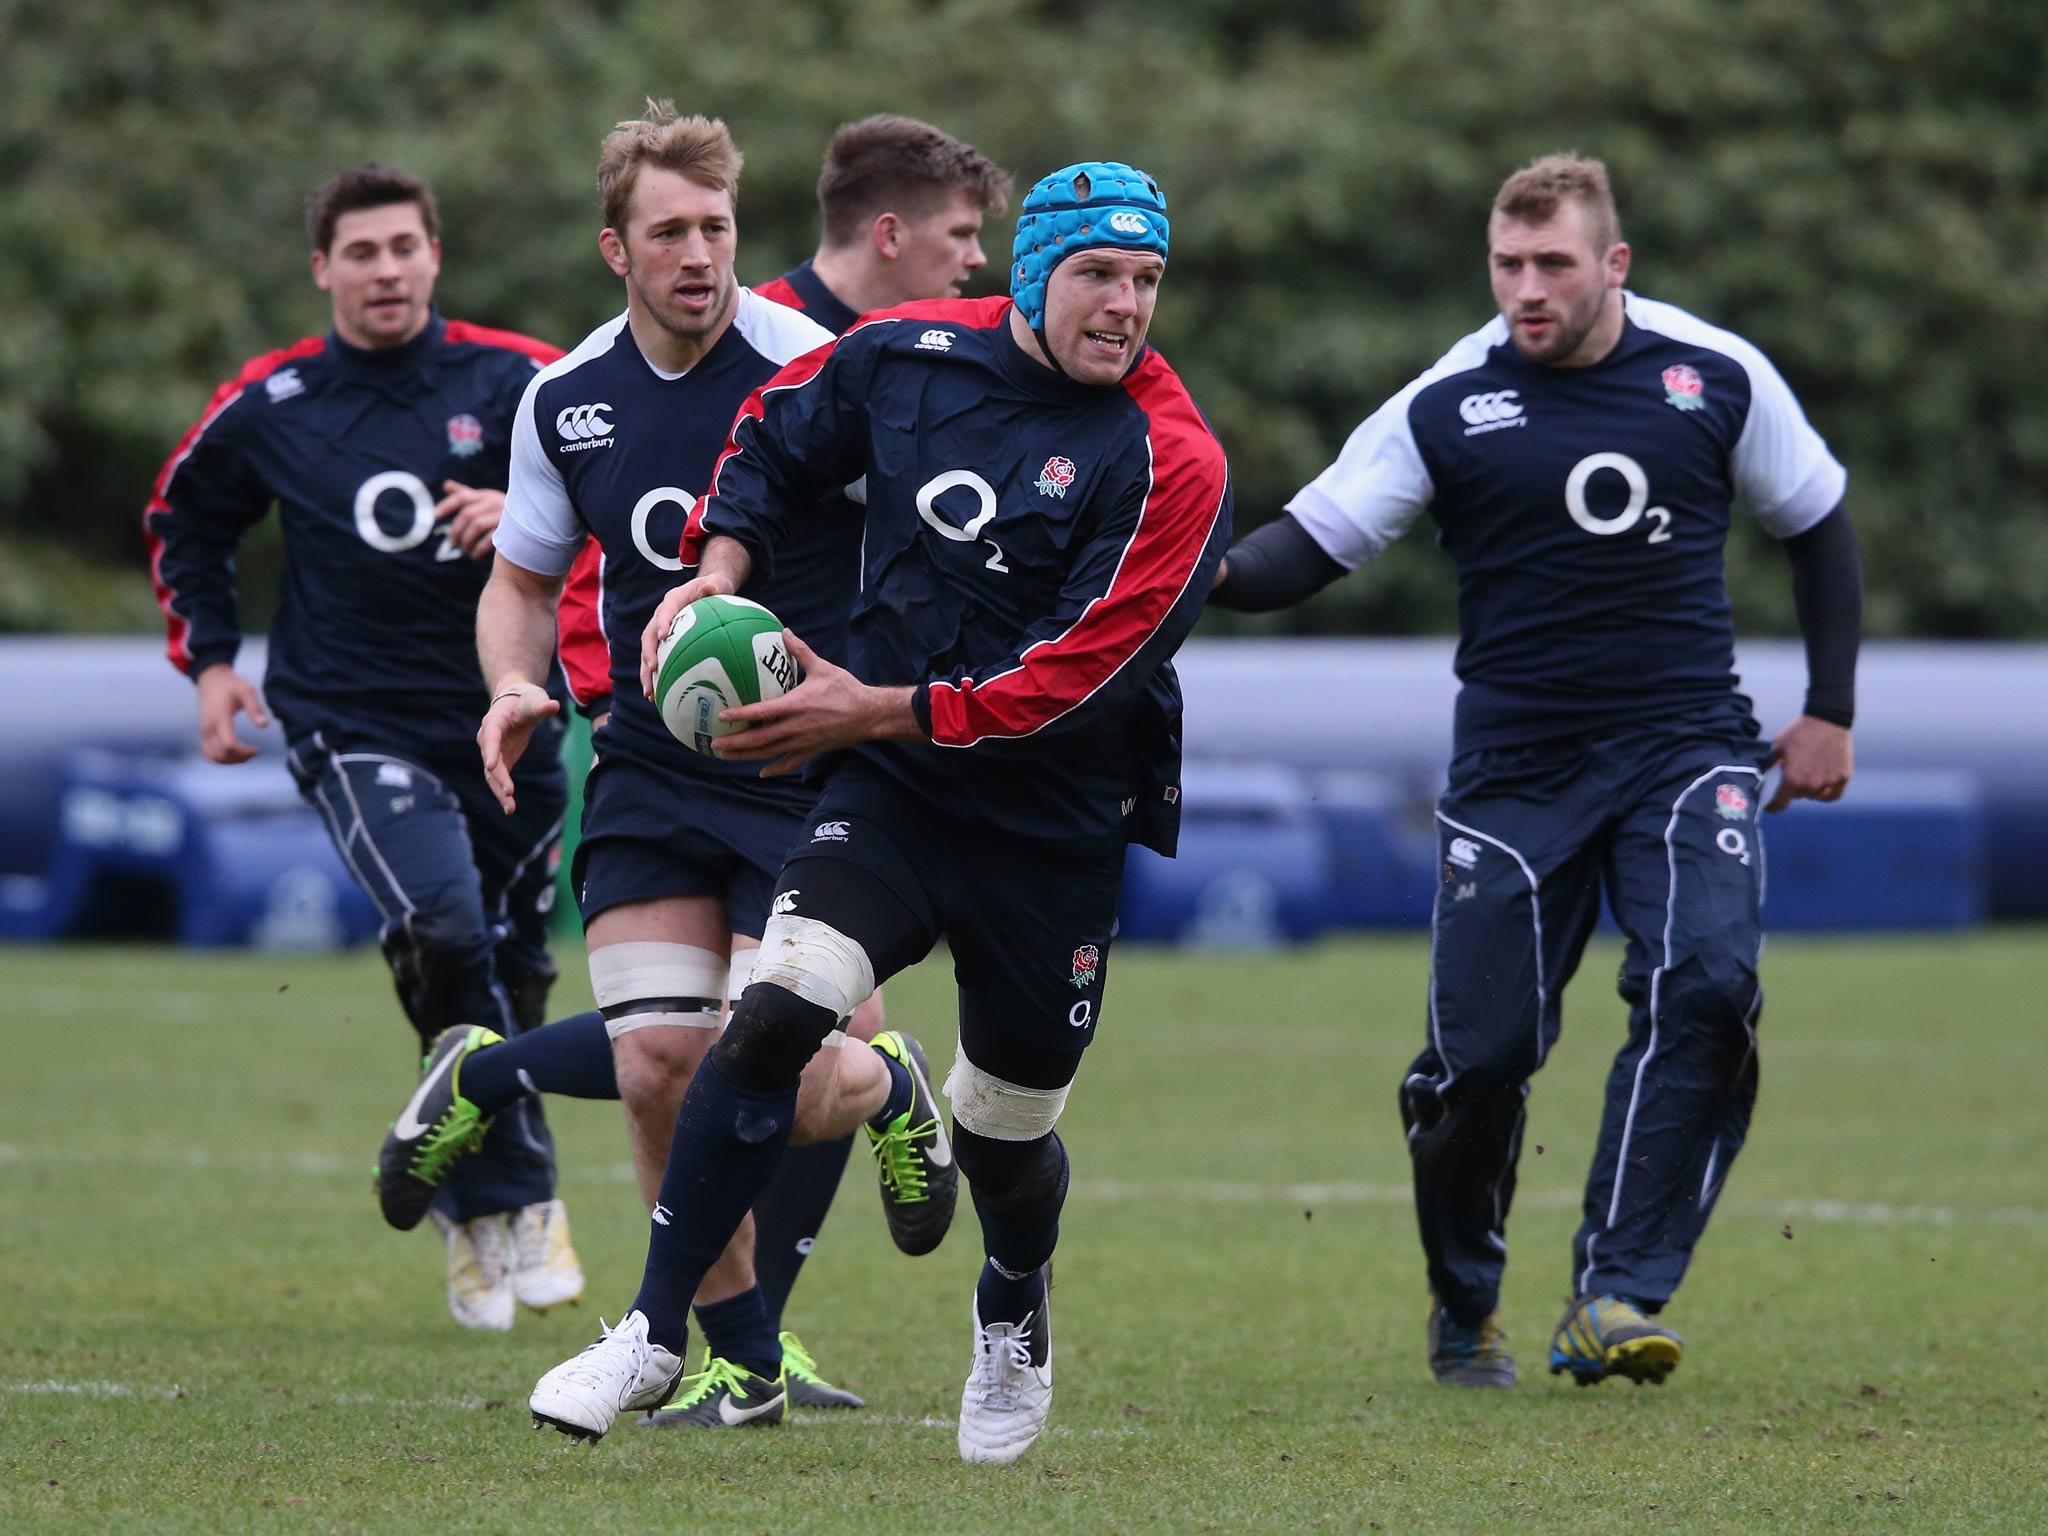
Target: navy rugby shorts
{"points": [[1029, 923], [652, 831]]}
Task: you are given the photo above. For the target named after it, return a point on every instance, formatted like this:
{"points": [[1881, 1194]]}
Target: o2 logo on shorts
{"points": [[1087, 963]]}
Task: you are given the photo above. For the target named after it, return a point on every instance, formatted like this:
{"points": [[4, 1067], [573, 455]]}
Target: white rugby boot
{"points": [[545, 1269], [621, 1372], [1009, 1388], [479, 1272]]}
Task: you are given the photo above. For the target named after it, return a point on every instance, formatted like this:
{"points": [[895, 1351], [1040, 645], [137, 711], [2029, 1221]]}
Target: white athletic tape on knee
{"points": [[650, 972], [816, 961], [986, 1105], [740, 972], [626, 1023]]}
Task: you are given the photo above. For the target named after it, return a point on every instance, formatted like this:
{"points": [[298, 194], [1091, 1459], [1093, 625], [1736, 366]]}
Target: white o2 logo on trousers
{"points": [[1638, 506], [414, 490]]}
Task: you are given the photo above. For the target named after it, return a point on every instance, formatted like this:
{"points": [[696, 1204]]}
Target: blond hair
{"points": [[700, 149], [1532, 194]]}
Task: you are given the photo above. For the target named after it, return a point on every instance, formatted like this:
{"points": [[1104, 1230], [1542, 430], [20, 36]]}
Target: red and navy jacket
{"points": [[1035, 551], [376, 620]]}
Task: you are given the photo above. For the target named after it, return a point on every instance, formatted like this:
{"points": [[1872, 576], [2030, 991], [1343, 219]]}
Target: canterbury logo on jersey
{"points": [[1492, 411], [935, 341], [584, 426]]}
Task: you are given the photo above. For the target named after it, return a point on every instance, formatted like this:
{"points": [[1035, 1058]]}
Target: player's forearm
{"points": [[195, 587], [726, 556], [1827, 592], [894, 715], [515, 626], [1276, 565]]}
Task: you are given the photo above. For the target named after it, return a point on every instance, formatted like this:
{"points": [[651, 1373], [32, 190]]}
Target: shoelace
{"points": [[486, 1237], [716, 1373], [592, 1367], [531, 1238], [999, 1360], [453, 1135], [902, 1163], [796, 1360]]}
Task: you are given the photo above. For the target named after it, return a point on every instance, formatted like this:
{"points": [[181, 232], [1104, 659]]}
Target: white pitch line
{"points": [[1868, 1213]]}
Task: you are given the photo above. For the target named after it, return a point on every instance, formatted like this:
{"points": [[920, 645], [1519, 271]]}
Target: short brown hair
{"points": [[367, 186], [887, 163], [699, 149], [1533, 193]]}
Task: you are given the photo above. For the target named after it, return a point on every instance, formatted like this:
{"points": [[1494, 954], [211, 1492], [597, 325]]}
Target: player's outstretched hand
{"points": [[829, 710], [507, 728], [712, 584], [475, 515], [223, 694], [1815, 761]]}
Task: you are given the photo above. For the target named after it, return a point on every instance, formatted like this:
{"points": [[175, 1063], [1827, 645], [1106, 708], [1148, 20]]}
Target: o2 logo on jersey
{"points": [[421, 506], [644, 508], [1637, 509], [928, 496]]}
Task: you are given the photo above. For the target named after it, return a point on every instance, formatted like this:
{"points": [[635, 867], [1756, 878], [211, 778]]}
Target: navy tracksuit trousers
{"points": [[465, 892], [1528, 838]]}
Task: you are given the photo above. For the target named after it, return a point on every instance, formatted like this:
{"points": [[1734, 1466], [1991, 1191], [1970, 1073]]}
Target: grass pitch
{"points": [[205, 1327]]}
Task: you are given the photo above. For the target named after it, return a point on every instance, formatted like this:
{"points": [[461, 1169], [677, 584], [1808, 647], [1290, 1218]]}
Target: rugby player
{"points": [[383, 444], [1045, 510], [1580, 455], [901, 206], [679, 850]]}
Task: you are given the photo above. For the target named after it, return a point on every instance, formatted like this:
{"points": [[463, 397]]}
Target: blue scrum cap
{"points": [[1082, 207]]}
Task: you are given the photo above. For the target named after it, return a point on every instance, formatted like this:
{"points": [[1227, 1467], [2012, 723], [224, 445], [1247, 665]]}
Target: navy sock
{"points": [[900, 1090], [738, 1329], [1020, 1226], [571, 1057], [1004, 1296], [727, 1144], [790, 1212]]}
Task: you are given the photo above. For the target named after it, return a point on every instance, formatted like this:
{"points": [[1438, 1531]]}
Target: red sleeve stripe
{"points": [[511, 341], [580, 642], [254, 371], [782, 293], [1055, 677]]}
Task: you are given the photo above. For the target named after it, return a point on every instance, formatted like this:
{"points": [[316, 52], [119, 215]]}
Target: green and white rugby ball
{"points": [[721, 652]]}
